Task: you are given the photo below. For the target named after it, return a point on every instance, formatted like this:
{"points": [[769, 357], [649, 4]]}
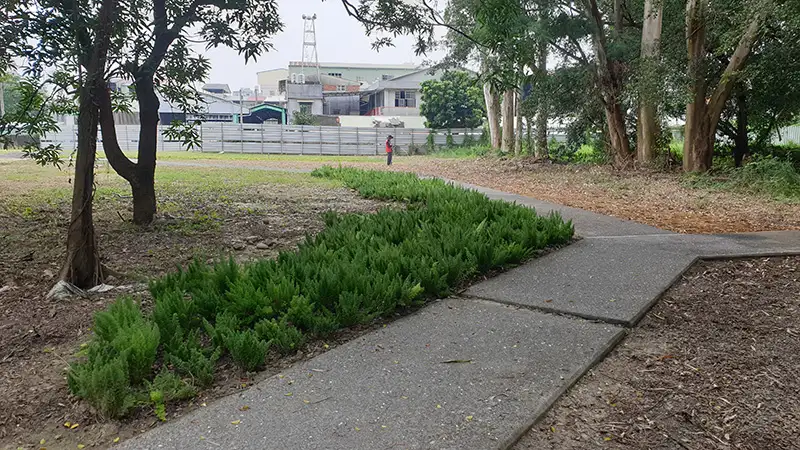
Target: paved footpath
{"points": [[470, 372]]}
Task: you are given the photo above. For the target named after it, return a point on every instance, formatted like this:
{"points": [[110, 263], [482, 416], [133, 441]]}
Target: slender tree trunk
{"points": [[702, 115], [647, 127], [508, 121], [542, 108], [610, 88], [82, 266], [742, 142], [144, 195], [518, 134], [493, 115]]}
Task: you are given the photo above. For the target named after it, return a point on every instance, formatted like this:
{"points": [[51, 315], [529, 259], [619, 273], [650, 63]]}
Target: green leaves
{"points": [[455, 101]]}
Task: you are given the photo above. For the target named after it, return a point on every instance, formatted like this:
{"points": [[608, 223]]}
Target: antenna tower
{"points": [[310, 59]]}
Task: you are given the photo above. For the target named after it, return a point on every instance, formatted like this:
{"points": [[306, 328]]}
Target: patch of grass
{"points": [[357, 269], [774, 178]]}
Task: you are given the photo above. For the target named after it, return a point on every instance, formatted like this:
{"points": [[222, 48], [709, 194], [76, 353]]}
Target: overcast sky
{"points": [[340, 38]]}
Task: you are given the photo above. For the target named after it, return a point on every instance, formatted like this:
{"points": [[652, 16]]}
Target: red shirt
{"points": [[388, 146]]}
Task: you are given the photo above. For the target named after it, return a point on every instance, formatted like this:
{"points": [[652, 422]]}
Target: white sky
{"points": [[340, 38]]}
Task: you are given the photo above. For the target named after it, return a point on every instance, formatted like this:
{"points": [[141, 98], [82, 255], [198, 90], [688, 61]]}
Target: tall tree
{"points": [[454, 101], [609, 81], [647, 126], [708, 102], [157, 58]]}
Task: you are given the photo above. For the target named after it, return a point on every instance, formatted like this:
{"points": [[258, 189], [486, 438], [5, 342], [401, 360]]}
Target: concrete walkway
{"points": [[470, 372]]}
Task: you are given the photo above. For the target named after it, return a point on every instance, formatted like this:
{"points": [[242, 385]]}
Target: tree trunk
{"points": [[82, 266], [610, 88], [702, 115], [508, 121], [518, 134], [542, 108], [493, 115], [742, 143], [140, 175], [647, 127], [144, 195]]}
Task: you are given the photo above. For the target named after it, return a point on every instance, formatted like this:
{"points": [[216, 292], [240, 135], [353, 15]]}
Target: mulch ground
{"points": [[39, 337], [714, 365], [653, 198]]}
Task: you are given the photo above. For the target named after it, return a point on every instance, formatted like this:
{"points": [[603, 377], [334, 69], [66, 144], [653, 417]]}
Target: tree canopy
{"points": [[455, 101]]}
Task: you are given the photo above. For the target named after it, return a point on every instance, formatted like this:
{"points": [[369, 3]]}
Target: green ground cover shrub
{"points": [[361, 266]]}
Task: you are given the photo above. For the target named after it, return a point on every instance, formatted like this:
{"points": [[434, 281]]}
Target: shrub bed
{"points": [[358, 268]]}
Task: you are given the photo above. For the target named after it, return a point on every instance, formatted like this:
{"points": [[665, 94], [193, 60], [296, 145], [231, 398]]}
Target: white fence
{"points": [[788, 135], [282, 139]]}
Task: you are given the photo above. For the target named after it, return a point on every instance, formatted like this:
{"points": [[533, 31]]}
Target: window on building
{"points": [[360, 79], [341, 88], [306, 107], [335, 74], [405, 99], [386, 77], [272, 92]]}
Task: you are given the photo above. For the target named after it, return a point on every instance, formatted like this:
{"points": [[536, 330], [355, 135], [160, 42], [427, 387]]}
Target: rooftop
{"points": [[407, 66]]}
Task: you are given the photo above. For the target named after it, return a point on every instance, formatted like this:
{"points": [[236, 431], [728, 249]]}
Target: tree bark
{"points": [[518, 134], [741, 147], [82, 266], [508, 121], [647, 127], [702, 115], [140, 175], [541, 151], [492, 115], [610, 88]]}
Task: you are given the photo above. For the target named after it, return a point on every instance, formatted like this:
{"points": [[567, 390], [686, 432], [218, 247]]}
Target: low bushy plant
{"points": [[358, 268], [247, 350]]}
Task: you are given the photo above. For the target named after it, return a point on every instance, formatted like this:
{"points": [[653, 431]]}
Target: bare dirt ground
{"points": [[713, 366], [207, 213], [654, 198]]}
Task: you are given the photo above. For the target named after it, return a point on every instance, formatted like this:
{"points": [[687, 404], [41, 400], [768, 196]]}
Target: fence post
{"points": [[358, 143], [320, 139], [261, 127], [302, 139], [280, 142], [222, 136], [376, 141], [127, 139], [241, 134], [339, 137], [202, 142]]}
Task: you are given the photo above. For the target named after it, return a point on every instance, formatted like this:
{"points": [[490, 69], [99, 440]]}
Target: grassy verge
{"points": [[359, 268]]}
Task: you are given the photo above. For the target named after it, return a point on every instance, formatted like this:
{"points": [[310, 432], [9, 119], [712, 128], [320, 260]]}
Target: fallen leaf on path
{"points": [[457, 361], [236, 422]]}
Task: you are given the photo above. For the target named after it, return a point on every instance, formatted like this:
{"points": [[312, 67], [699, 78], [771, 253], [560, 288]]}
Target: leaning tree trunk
{"points": [[702, 115], [82, 266], [647, 127], [493, 115], [610, 88], [508, 121]]}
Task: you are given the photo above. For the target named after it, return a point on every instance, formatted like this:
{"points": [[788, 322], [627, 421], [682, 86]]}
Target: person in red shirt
{"points": [[389, 148]]}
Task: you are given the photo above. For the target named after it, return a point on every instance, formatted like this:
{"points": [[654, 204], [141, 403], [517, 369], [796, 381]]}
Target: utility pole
{"points": [[2, 99]]}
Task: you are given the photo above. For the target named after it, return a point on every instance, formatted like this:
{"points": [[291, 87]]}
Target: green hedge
{"points": [[359, 267]]}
